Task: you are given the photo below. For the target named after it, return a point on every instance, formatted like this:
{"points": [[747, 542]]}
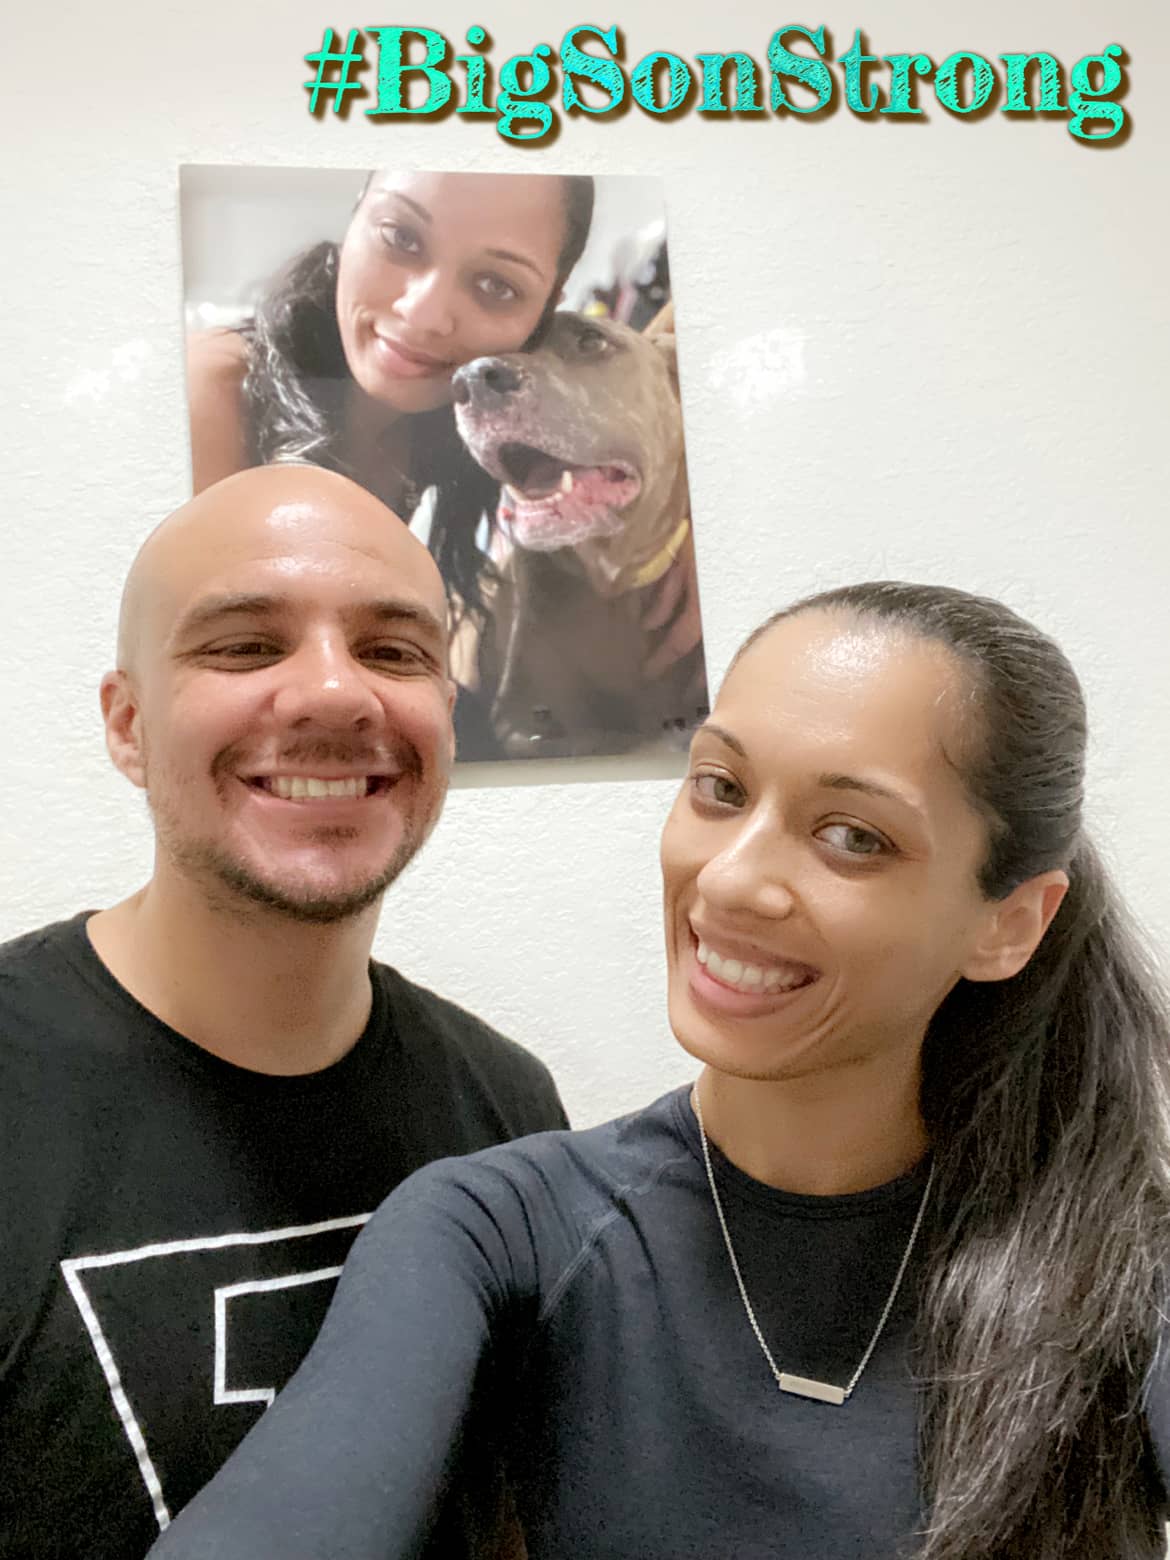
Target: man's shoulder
{"points": [[434, 1028], [36, 962], [16, 951], [54, 1012], [450, 1019]]}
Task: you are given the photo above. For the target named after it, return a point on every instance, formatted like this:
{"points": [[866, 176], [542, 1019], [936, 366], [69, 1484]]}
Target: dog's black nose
{"points": [[486, 381]]}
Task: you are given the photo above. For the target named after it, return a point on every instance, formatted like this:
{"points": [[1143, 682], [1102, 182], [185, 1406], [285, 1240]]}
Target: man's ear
{"points": [[123, 723], [1015, 927]]}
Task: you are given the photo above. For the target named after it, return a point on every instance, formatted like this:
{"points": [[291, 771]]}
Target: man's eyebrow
{"points": [[385, 609], [235, 604], [391, 610]]}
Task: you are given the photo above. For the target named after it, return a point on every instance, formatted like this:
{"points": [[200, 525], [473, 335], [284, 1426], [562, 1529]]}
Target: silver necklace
{"points": [[805, 1386]]}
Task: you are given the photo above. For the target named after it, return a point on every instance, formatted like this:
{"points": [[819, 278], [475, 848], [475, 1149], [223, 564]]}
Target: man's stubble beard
{"points": [[215, 870], [321, 910]]}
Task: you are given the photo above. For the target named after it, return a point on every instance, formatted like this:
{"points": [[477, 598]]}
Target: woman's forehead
{"points": [[832, 678], [528, 209]]}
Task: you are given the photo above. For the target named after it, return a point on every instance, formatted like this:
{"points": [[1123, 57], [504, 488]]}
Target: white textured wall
{"points": [[934, 350]]}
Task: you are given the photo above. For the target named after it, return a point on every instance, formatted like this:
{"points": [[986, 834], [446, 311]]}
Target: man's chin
{"points": [[322, 910], [313, 904]]}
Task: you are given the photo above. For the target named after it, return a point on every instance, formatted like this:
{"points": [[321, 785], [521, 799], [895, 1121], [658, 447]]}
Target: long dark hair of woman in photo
{"points": [[298, 379], [921, 1186]]}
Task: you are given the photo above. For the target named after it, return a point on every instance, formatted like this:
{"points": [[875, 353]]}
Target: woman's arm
{"points": [[1156, 1400], [217, 361], [352, 1460]]}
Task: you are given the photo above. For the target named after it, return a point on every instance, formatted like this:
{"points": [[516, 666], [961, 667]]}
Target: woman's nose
{"points": [[428, 303], [754, 873]]}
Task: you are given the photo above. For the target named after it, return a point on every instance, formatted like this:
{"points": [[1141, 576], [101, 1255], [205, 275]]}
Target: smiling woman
{"points": [[436, 270], [891, 1278]]}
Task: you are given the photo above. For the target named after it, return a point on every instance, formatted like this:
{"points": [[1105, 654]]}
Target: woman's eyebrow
{"points": [[420, 212], [723, 735], [495, 254], [508, 254], [840, 782]]}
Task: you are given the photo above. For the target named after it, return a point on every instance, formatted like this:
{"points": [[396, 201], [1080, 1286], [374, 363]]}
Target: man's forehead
{"points": [[296, 529], [293, 585], [300, 559], [295, 523]]}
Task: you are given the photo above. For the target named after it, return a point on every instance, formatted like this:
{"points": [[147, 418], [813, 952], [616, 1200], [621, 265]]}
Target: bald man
{"points": [[206, 1089]]}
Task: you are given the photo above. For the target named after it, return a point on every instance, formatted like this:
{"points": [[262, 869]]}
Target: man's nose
{"points": [[323, 685], [429, 303], [755, 872]]}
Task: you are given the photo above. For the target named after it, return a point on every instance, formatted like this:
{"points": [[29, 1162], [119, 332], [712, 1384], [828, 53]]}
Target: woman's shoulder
{"points": [[217, 361], [527, 1211], [584, 1171], [218, 353], [1156, 1402]]}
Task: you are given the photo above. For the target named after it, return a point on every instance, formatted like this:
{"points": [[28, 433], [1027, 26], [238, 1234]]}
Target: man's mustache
{"points": [[399, 756]]}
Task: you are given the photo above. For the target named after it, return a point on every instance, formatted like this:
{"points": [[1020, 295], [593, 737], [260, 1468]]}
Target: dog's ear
{"points": [[663, 321], [660, 334], [664, 344]]}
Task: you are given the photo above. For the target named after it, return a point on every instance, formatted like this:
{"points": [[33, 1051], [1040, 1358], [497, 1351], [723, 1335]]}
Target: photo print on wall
{"points": [[492, 355]]}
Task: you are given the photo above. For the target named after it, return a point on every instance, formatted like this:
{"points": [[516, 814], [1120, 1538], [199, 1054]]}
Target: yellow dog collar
{"points": [[662, 560]]}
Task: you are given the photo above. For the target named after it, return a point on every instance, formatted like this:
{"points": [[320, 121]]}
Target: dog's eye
{"points": [[592, 343]]}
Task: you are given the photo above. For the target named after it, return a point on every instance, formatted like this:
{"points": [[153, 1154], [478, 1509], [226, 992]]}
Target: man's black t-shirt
{"points": [[173, 1225]]}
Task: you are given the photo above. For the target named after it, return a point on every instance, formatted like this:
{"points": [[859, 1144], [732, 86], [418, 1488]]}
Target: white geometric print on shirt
{"points": [[212, 1299]]}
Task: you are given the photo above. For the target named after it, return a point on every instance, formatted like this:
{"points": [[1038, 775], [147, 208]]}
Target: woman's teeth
{"points": [[751, 977], [299, 788]]}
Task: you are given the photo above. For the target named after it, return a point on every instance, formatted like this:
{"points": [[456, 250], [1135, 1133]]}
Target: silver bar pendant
{"points": [[803, 1386]]}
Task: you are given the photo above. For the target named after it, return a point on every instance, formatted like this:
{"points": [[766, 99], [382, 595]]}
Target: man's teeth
{"points": [[299, 788], [750, 977], [566, 481]]}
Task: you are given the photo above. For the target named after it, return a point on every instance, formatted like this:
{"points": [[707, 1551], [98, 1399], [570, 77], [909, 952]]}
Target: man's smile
{"points": [[315, 788]]}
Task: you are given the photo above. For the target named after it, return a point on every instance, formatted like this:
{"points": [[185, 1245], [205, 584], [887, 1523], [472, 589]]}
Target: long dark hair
{"points": [[1045, 1097], [295, 392]]}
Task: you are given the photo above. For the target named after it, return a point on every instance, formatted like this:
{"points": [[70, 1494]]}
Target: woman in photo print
{"points": [[890, 1279], [347, 359]]}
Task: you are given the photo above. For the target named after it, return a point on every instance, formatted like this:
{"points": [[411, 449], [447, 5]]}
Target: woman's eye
{"points": [[853, 840], [717, 790], [495, 289], [402, 239]]}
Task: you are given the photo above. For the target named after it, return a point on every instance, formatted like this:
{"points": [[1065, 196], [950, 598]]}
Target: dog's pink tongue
{"points": [[588, 507]]}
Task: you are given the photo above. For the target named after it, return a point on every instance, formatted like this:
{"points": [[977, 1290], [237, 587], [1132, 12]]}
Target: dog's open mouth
{"points": [[551, 502], [534, 477]]}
